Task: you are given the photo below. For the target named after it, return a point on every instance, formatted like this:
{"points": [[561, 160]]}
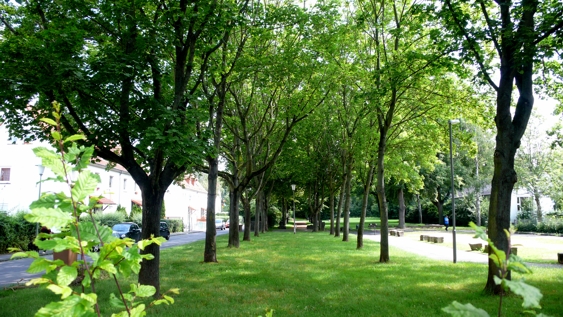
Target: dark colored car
{"points": [[127, 230], [164, 231], [220, 224]]}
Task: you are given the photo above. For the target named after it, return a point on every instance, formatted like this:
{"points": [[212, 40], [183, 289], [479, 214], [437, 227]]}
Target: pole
{"points": [[41, 169], [453, 188], [294, 225]]}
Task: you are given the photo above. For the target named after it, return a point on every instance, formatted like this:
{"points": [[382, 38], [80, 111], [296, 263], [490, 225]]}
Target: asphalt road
{"points": [[14, 271]]}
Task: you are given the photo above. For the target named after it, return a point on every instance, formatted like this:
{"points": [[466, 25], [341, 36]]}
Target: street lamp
{"points": [[40, 169], [453, 121], [294, 226]]}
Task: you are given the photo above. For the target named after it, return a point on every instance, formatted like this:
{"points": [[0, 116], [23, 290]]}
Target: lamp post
{"points": [[453, 121], [40, 169], [294, 226]]}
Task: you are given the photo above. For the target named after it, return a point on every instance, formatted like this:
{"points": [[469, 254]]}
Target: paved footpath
{"points": [[440, 252]]}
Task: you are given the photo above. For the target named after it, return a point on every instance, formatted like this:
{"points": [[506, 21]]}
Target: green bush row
{"points": [[549, 225], [15, 232]]}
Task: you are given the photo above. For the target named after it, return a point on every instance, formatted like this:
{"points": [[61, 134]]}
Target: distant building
{"points": [[19, 187]]}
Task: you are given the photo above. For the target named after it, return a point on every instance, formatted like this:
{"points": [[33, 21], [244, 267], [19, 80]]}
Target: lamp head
{"points": [[293, 187], [454, 121], [40, 169]]}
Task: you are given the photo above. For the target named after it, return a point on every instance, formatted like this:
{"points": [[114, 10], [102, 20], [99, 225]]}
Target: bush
{"points": [[526, 226], [15, 232], [174, 225]]}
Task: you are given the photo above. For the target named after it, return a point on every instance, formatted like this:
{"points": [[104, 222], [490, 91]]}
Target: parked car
{"points": [[127, 230], [164, 231], [220, 224]]}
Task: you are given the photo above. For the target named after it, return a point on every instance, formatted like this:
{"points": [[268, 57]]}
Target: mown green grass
{"points": [[311, 274]]}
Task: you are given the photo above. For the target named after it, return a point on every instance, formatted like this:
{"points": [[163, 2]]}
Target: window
{"points": [[110, 181], [202, 213], [4, 174], [125, 184]]}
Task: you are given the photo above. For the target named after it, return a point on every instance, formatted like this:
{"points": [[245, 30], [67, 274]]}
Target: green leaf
{"points": [[49, 121], [50, 160], [51, 218], [530, 294], [467, 310], [38, 266], [56, 135], [75, 137], [516, 264], [85, 185], [145, 291], [498, 280], [479, 231], [64, 291], [108, 266], [138, 311], [115, 302], [66, 275]]}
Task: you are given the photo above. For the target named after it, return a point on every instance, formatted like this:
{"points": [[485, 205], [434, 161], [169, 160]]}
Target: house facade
{"points": [[20, 175]]}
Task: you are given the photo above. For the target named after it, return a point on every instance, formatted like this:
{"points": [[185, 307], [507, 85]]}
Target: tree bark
{"points": [[152, 203], [348, 187], [419, 208], [234, 195], [210, 252], [339, 208], [331, 207], [401, 208], [538, 204], [365, 199]]}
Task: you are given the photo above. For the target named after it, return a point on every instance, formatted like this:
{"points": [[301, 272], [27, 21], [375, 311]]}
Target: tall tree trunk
{"points": [[331, 208], [234, 195], [348, 187], [259, 213], [247, 221], [152, 204], [401, 208], [284, 213], [210, 252], [339, 208], [382, 201], [538, 204], [419, 208], [365, 199]]}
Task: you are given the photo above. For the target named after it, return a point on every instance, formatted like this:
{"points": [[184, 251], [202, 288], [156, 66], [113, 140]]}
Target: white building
{"points": [[19, 185]]}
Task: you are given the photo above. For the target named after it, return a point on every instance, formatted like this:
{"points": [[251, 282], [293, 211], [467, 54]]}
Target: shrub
{"points": [[15, 231], [526, 226]]}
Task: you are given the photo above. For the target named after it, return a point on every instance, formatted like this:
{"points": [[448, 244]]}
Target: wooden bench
{"points": [[397, 233], [433, 239], [476, 246]]}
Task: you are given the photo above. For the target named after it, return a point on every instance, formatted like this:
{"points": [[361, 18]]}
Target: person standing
{"points": [[446, 222]]}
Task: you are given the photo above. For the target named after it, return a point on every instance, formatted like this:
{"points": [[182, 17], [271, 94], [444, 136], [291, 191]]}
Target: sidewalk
{"points": [[7, 256], [443, 253]]}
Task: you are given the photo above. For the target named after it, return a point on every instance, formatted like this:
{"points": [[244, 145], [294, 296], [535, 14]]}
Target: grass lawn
{"points": [[311, 274]]}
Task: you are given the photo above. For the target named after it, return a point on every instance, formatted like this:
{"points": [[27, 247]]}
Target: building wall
{"points": [[187, 201]]}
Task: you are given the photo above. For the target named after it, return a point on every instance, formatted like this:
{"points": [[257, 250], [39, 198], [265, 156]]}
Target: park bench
{"points": [[433, 239], [476, 246], [397, 233]]}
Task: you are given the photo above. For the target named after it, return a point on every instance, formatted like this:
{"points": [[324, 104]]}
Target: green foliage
{"points": [[15, 231], [174, 225], [117, 257], [274, 216], [504, 264]]}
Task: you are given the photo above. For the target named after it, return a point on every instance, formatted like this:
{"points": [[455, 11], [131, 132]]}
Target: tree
{"points": [[407, 65], [128, 75], [535, 162], [515, 36]]}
